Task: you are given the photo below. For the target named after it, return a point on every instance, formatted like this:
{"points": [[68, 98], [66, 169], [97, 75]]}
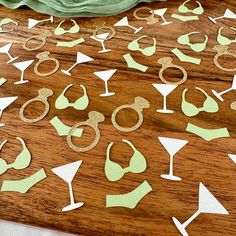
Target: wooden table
{"points": [[199, 161]]}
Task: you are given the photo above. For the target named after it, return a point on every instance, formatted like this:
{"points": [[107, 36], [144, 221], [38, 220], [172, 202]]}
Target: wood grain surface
{"points": [[199, 161]]}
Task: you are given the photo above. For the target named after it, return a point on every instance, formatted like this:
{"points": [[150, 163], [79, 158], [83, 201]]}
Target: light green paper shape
{"points": [[6, 21], [148, 51], [23, 185], [22, 160], [223, 40], [81, 103], [133, 64], [185, 58], [196, 47], [207, 134], [2, 81], [184, 18], [198, 10], [71, 43], [62, 129], [209, 105], [131, 199], [115, 172]]}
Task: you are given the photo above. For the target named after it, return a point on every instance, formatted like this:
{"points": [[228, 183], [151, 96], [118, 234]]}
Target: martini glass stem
{"points": [[132, 27], [220, 17], [72, 201], [164, 103], [225, 91], [171, 165], [106, 86], [187, 222], [72, 67], [22, 76], [9, 56], [103, 45], [163, 18]]}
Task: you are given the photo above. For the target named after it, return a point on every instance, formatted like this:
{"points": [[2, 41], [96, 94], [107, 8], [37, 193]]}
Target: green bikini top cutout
{"points": [[5, 22], [148, 51], [74, 29], [21, 161], [223, 40], [209, 105], [197, 47], [115, 172], [198, 10], [80, 104]]}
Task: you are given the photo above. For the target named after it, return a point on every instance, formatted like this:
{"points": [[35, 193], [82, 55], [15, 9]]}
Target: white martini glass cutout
{"points": [[22, 66], [172, 146], [207, 203], [80, 58], [228, 14], [161, 12], [103, 36], [67, 173], [124, 22], [6, 49], [4, 103], [33, 22], [164, 89], [219, 95], [105, 76], [232, 157]]}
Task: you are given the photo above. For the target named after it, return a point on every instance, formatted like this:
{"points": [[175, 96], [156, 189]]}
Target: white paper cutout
{"points": [[124, 22], [22, 66], [164, 89], [161, 12], [105, 76], [232, 157], [105, 35], [172, 146], [33, 22], [207, 203], [4, 103], [228, 14], [80, 58], [219, 95], [2, 81], [5, 49], [67, 173]]}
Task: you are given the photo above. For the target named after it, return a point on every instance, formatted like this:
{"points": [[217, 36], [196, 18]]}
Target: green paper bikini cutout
{"points": [[115, 172], [209, 105], [223, 40], [22, 160], [133, 64], [185, 58], [80, 104], [131, 199], [74, 29], [184, 18], [5, 22], [197, 47], [2, 81], [148, 51], [207, 134], [197, 11], [62, 129], [71, 43], [23, 185]]}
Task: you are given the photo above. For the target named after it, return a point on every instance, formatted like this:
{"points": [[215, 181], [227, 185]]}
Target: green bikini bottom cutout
{"points": [[131, 199], [208, 134], [184, 18], [62, 129], [71, 43], [184, 58], [2, 81], [133, 64], [23, 185]]}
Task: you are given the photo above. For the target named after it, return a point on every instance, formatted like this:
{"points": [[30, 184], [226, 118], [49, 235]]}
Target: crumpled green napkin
{"points": [[76, 8]]}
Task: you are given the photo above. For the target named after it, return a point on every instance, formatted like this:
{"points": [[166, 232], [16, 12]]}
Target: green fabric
{"points": [[75, 8]]}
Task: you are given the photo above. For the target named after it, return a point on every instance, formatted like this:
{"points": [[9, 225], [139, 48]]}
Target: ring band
{"points": [[150, 19], [47, 73], [113, 32], [43, 41], [220, 66]]}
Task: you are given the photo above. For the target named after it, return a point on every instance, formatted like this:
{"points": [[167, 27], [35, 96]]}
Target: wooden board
{"points": [[199, 161]]}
